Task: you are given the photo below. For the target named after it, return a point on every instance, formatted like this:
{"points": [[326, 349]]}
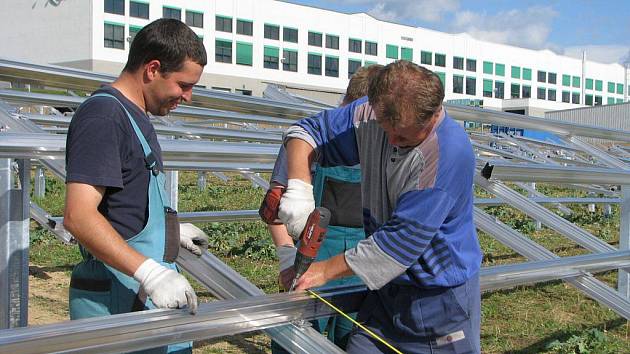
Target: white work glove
{"points": [[165, 287], [296, 205], [286, 256], [193, 239]]}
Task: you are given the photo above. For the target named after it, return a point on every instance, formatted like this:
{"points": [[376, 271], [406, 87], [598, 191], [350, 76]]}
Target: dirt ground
{"points": [[48, 303]]}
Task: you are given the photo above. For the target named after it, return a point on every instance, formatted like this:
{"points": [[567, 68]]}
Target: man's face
{"points": [[167, 90], [407, 132]]}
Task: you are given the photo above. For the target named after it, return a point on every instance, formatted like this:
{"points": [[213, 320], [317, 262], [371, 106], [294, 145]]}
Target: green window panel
{"points": [[391, 51], [406, 54], [566, 96], [487, 68], [272, 51], [599, 85], [368, 63], [620, 89], [610, 100], [527, 74], [440, 60], [499, 69], [566, 80], [516, 72], [515, 91], [589, 84], [426, 58], [222, 51], [576, 81], [487, 87], [619, 100], [588, 100], [244, 53], [611, 87], [442, 77]]}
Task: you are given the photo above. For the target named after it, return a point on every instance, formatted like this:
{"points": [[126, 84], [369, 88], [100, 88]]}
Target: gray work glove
{"points": [[286, 256], [193, 239], [165, 287]]}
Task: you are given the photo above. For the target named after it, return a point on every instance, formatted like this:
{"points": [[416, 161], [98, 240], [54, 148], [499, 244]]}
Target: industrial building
{"points": [[308, 50]]}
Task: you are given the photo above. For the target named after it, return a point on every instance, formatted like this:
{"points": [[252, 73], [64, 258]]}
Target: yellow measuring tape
{"points": [[355, 322]]}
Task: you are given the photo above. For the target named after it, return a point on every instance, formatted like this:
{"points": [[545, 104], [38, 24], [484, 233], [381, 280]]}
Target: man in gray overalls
{"points": [[116, 206]]}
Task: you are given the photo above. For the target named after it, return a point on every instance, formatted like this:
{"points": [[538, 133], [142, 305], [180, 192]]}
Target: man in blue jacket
{"points": [[421, 259]]}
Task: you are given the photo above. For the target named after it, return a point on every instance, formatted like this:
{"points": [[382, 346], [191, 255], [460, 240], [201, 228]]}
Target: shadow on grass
{"points": [[243, 342], [40, 272]]}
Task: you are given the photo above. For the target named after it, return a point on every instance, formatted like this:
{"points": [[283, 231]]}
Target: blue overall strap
{"points": [[149, 158]]}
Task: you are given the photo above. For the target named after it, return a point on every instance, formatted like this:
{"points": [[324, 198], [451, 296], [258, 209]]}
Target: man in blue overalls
{"points": [[116, 206], [338, 189]]}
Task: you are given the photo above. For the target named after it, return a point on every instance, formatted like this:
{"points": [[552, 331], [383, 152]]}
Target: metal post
{"points": [[172, 183], [201, 180], [40, 183], [538, 223], [623, 283], [14, 238]]}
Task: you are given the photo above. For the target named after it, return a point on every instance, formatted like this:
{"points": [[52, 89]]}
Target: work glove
{"points": [[286, 256], [193, 239], [165, 287], [296, 205]]}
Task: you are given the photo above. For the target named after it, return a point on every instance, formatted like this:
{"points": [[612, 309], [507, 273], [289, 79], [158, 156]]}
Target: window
{"points": [[371, 48], [116, 7], [133, 30], [172, 12], [272, 31], [515, 91], [541, 93], [194, 19], [458, 84], [619, 100], [487, 88], [244, 53], [314, 64], [620, 89], [315, 39], [223, 24], [114, 36], [527, 74], [354, 45], [610, 100], [332, 66], [244, 27], [406, 54], [458, 63], [290, 34], [138, 9], [440, 60], [332, 41], [588, 100], [499, 89], [368, 63], [551, 78], [487, 68], [542, 76], [611, 87], [575, 98], [576, 81], [566, 80], [471, 65], [527, 92], [271, 57], [588, 84], [353, 66], [471, 86], [442, 77], [499, 69], [223, 51], [566, 96], [391, 51], [551, 95], [290, 60], [426, 58], [599, 85], [598, 100], [516, 72]]}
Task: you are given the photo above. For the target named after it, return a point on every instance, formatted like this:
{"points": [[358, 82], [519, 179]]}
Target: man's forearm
{"points": [[300, 156]]}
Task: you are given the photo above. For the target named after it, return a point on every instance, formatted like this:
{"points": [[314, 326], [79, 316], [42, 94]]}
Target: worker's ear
{"points": [[152, 70]]}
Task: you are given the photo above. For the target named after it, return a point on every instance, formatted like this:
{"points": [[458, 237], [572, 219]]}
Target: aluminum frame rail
{"points": [[548, 200], [148, 329], [592, 287], [499, 170], [224, 282], [533, 192]]}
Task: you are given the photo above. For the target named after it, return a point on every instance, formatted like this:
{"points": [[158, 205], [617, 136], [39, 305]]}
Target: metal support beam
{"points": [[623, 281], [39, 189], [172, 185]]}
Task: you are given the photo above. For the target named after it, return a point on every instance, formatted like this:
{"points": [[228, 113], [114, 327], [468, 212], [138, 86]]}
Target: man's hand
{"points": [[166, 287], [315, 276], [193, 239], [296, 205], [286, 256]]}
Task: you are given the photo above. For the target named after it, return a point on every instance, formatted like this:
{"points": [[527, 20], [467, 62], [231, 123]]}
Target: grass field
{"points": [[549, 317]]}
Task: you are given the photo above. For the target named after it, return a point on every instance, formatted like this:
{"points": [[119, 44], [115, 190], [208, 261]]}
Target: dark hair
{"points": [[168, 40], [404, 89], [360, 82]]}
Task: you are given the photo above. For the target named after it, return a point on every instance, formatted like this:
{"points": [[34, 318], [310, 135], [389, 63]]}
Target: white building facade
{"points": [[311, 50]]}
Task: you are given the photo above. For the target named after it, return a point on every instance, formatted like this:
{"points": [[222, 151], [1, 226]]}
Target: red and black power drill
{"points": [[310, 239]]}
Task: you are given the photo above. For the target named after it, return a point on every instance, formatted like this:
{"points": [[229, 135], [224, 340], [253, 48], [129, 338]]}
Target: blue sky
{"points": [[602, 28]]}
